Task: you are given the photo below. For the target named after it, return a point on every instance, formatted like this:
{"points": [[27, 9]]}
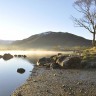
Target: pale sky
{"points": [[20, 19]]}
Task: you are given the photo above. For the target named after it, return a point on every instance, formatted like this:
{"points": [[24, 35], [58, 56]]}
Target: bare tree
{"points": [[88, 21]]}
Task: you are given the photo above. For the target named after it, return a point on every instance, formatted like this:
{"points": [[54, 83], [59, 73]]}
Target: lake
{"points": [[9, 78]]}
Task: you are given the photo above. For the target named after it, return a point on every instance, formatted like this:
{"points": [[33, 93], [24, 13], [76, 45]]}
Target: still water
{"points": [[9, 78]]}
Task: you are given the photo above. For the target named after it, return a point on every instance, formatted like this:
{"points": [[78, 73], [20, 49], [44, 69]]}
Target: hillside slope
{"points": [[52, 39]]}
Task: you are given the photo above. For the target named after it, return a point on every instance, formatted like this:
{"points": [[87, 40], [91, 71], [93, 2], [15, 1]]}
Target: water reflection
{"points": [[9, 78]]}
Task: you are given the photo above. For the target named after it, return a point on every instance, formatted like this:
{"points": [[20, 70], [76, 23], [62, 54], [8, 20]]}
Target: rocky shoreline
{"points": [[59, 82], [61, 75]]}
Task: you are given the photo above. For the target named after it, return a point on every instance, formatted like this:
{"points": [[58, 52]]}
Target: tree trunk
{"points": [[93, 42]]}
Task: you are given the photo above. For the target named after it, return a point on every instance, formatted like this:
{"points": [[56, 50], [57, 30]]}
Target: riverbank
{"points": [[59, 82]]}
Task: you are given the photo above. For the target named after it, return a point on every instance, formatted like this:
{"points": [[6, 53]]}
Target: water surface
{"points": [[9, 78]]}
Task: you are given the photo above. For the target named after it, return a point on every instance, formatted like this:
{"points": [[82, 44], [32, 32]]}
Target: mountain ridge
{"points": [[52, 39]]}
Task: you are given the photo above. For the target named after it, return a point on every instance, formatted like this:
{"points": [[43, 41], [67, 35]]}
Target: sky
{"points": [[21, 19]]}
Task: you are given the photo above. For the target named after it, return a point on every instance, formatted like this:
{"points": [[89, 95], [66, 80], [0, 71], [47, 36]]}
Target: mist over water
{"points": [[32, 55], [37, 52], [9, 78]]}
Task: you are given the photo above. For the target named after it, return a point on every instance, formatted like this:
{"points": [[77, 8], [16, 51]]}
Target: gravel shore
{"points": [[59, 82]]}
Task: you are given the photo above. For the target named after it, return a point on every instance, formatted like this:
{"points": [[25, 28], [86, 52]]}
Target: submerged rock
{"points": [[15, 55], [7, 56], [20, 70], [19, 55], [24, 56]]}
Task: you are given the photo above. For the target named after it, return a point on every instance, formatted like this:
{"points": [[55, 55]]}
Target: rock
{"points": [[19, 94], [48, 91], [54, 65], [54, 74], [7, 56], [70, 93], [63, 86], [1, 56], [84, 63], [82, 90], [60, 59], [71, 62], [19, 55], [20, 70], [41, 61], [15, 55], [91, 65], [34, 81], [47, 65], [59, 54], [44, 61], [24, 56], [54, 58], [79, 83]]}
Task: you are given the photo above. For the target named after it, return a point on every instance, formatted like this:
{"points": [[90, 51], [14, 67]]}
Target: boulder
{"points": [[59, 54], [60, 59], [44, 61], [84, 63], [71, 62], [90, 65], [54, 66], [54, 58], [7, 56], [20, 70]]}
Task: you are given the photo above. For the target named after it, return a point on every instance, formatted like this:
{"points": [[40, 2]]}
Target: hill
{"points": [[5, 42], [52, 39]]}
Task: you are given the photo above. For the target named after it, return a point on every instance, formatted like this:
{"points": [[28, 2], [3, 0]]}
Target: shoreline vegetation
{"points": [[46, 81]]}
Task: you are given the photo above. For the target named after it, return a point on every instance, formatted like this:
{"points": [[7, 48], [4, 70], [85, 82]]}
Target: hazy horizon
{"points": [[21, 19], [41, 33]]}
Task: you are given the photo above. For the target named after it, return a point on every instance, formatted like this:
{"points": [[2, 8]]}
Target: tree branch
{"points": [[80, 23]]}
